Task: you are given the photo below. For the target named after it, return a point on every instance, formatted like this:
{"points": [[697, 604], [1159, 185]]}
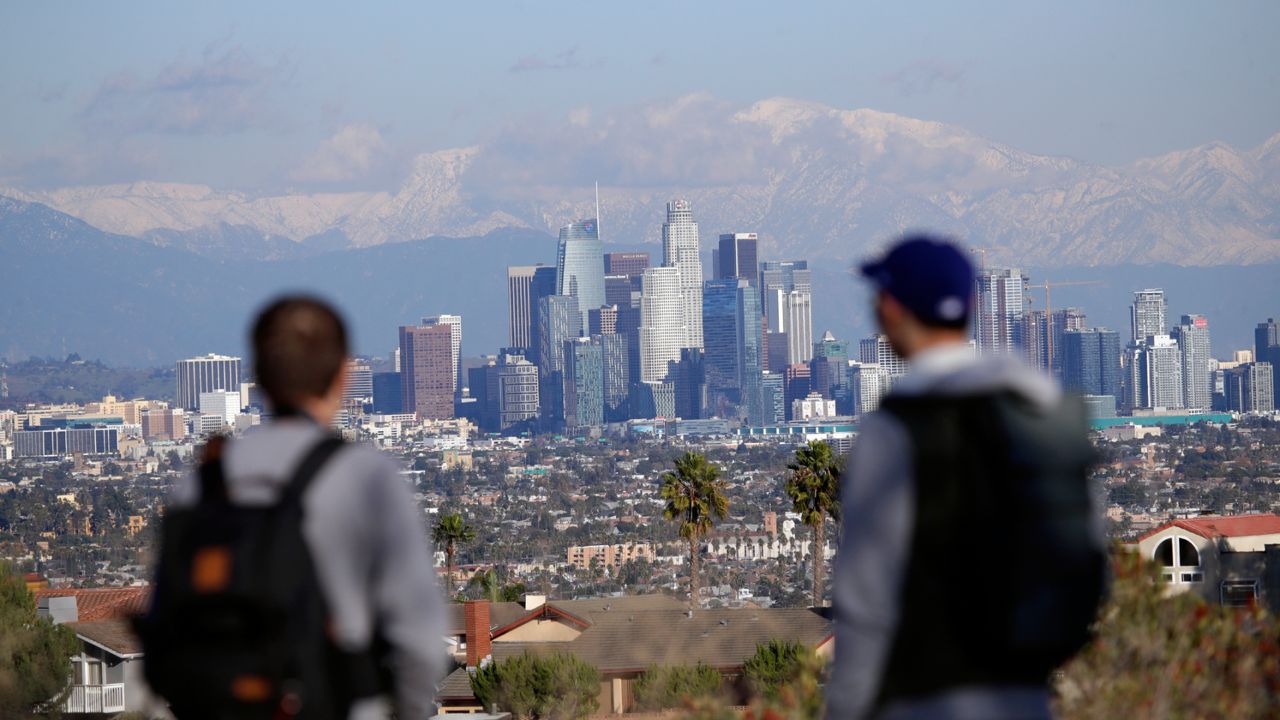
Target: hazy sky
{"points": [[267, 96]]}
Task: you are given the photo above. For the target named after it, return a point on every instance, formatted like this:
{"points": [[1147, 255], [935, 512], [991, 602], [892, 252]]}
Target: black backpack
{"points": [[1007, 568], [238, 625]]}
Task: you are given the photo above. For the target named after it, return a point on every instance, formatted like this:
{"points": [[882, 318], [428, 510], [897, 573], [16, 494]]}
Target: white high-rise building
{"points": [[455, 341], [205, 374], [1147, 315], [1000, 300], [1192, 335], [1156, 374], [662, 318], [799, 327], [875, 350], [221, 404], [680, 251]]}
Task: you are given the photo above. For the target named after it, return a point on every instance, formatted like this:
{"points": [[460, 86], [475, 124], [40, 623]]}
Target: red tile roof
{"points": [[1216, 526], [93, 604]]}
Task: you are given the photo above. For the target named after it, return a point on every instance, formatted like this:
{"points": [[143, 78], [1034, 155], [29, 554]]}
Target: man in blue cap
{"points": [[961, 490]]}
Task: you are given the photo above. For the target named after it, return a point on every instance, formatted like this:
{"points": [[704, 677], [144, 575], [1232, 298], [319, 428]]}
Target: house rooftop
{"points": [[115, 635], [103, 603], [1219, 526]]}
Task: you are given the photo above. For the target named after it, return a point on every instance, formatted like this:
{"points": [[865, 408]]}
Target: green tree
{"points": [[814, 488], [450, 531], [659, 688], [35, 654], [530, 687], [695, 496], [776, 665]]}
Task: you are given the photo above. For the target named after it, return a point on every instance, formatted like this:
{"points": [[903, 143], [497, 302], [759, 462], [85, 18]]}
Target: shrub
{"points": [[1172, 657], [775, 664], [531, 687], [659, 688]]}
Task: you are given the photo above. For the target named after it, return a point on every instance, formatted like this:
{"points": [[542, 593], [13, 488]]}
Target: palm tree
{"points": [[450, 531], [695, 495], [814, 488]]}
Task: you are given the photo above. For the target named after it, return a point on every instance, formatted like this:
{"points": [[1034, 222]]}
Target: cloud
{"points": [[563, 60], [227, 91], [924, 76], [350, 154]]}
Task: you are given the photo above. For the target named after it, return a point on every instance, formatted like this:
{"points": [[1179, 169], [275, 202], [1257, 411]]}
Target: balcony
{"points": [[95, 699]]}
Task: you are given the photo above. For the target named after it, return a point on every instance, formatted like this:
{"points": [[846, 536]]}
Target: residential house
{"points": [[1232, 560]]}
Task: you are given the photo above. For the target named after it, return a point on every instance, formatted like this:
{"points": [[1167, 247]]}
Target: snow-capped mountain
{"points": [[815, 181]]}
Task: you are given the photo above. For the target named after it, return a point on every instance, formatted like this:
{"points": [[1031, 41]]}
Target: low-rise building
{"points": [[1233, 560]]}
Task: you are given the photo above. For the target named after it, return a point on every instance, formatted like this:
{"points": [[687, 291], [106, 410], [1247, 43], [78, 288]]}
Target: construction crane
{"points": [[982, 253], [1048, 307]]}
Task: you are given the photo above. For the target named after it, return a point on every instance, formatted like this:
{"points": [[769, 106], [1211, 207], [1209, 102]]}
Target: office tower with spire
{"points": [[580, 265], [427, 370], [1192, 334], [680, 251], [662, 329], [1148, 316], [731, 339], [737, 256], [454, 322], [1001, 295]]}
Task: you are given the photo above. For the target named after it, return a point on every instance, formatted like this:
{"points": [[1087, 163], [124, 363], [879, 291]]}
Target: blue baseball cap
{"points": [[929, 275]]}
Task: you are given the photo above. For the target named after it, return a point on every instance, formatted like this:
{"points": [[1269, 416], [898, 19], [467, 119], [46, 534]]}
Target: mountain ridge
{"points": [[815, 181]]}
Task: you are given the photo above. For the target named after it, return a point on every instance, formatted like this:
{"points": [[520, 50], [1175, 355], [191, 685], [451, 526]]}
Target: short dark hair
{"points": [[299, 347]]}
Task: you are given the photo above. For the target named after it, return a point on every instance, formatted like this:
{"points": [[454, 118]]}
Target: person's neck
{"points": [[936, 340]]}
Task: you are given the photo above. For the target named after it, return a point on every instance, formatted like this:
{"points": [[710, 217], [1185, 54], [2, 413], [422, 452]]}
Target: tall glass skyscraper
{"points": [[662, 318], [680, 251], [732, 337], [580, 265], [1091, 361]]}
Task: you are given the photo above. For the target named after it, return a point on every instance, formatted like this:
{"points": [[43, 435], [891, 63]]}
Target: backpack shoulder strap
{"points": [[309, 468], [213, 483]]}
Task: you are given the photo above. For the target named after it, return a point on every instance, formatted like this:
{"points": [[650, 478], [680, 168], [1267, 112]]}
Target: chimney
{"points": [[479, 643], [533, 602]]}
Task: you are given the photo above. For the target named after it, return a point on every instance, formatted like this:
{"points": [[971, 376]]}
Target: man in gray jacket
{"points": [[361, 523], [918, 614]]}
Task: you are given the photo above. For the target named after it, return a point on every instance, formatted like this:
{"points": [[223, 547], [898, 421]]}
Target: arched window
{"points": [[1164, 553], [1188, 556]]}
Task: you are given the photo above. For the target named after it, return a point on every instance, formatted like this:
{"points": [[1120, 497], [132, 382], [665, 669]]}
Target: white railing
{"points": [[95, 699]]}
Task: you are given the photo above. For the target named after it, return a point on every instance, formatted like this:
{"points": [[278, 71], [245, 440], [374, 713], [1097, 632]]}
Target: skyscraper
{"points": [[680, 251], [518, 393], [1000, 298], [662, 329], [786, 288], [1091, 361], [772, 400], [1064, 319], [830, 369], [731, 340], [580, 265], [525, 284], [583, 383], [1248, 388], [205, 374], [542, 284], [1156, 374], [738, 257], [1148, 315], [558, 321], [1266, 349], [632, 264], [875, 350], [617, 376], [454, 323], [427, 370], [1192, 334]]}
